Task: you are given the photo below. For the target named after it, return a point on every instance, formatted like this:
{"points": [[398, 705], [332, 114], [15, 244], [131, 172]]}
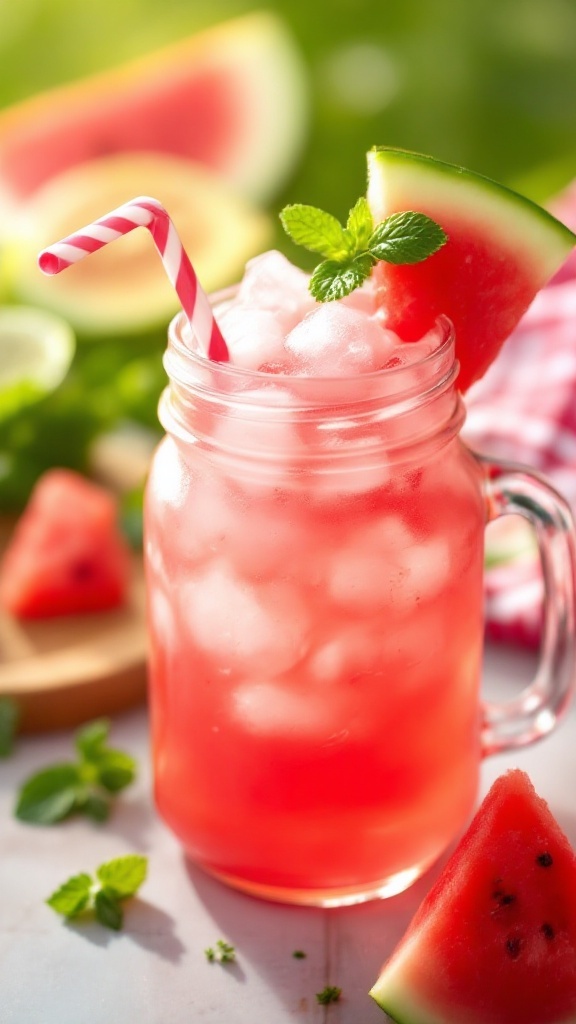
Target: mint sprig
{"points": [[84, 786], [351, 252], [115, 881]]}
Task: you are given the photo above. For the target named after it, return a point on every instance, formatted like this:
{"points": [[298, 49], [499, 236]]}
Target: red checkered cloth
{"points": [[524, 409]]}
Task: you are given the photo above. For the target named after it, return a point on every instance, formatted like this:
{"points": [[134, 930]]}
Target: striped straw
{"points": [[148, 213]]}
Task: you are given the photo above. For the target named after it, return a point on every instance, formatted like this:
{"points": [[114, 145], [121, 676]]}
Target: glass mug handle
{"points": [[511, 488]]}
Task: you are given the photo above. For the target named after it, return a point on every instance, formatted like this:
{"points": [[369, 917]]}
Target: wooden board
{"points": [[67, 670]]}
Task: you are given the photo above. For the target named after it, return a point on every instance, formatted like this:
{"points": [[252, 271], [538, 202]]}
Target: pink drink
{"points": [[314, 556]]}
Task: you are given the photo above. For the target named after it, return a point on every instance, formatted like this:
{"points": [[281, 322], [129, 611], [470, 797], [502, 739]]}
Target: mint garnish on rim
{"points": [[351, 252]]}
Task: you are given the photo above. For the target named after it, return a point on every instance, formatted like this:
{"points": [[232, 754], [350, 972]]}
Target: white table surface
{"points": [[155, 970]]}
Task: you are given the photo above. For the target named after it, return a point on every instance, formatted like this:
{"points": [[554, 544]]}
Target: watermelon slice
{"points": [[501, 250], [232, 98], [494, 941], [66, 554]]}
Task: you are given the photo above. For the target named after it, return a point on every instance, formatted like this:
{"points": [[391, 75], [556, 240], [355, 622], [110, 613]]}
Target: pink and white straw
{"points": [[148, 213]]}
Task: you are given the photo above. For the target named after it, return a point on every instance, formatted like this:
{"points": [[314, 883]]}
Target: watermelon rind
{"points": [[501, 250], [399, 1001], [249, 68], [537, 234], [124, 288]]}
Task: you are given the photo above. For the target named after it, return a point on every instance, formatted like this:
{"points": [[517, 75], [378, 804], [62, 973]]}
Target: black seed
{"points": [[544, 860], [503, 899], [513, 946], [507, 899], [547, 930], [81, 571]]}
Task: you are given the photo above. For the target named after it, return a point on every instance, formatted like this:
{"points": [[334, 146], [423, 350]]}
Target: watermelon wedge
{"points": [[232, 97], [501, 250], [494, 941], [66, 555]]}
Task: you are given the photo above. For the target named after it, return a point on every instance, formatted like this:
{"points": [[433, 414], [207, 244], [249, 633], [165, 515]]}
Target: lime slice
{"points": [[36, 350], [123, 288]]}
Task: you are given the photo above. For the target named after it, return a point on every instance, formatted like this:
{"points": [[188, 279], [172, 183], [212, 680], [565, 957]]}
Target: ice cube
{"points": [[260, 436], [411, 353], [271, 282], [255, 337], [268, 709], [271, 710], [363, 299], [168, 487], [253, 533], [365, 573], [389, 567], [426, 564], [161, 617], [208, 522], [253, 629], [352, 651], [337, 341], [268, 541]]}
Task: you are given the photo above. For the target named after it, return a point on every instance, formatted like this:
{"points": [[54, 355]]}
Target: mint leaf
{"points": [[72, 897], [406, 238], [329, 994], [115, 881], [49, 795], [224, 953], [82, 787], [315, 230], [91, 739], [95, 807], [360, 225], [112, 769], [116, 770], [123, 876], [108, 910], [351, 252], [9, 716], [333, 279]]}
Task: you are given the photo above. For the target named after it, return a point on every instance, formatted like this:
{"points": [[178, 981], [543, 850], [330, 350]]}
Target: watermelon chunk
{"points": [[494, 941], [232, 98], [66, 554], [501, 250]]}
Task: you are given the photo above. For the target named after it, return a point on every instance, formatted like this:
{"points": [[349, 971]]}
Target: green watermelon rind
{"points": [[396, 998], [509, 214]]}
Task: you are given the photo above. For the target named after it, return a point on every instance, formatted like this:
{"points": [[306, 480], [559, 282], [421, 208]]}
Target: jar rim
{"points": [[192, 364]]}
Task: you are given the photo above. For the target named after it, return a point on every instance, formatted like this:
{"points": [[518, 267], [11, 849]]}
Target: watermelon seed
{"points": [[547, 931], [544, 860], [82, 571], [504, 899], [514, 946]]}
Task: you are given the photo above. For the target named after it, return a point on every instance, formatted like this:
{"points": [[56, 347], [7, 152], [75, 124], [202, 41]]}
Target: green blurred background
{"points": [[487, 83], [490, 84]]}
